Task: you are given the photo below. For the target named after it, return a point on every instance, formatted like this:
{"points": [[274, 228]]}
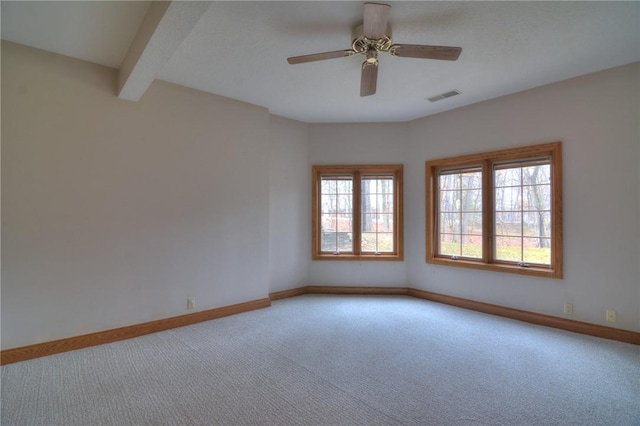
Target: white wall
{"points": [[384, 143], [289, 204], [115, 212], [596, 118]]}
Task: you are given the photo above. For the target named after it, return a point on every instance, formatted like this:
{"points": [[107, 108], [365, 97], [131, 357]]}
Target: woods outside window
{"points": [[357, 212], [499, 210]]}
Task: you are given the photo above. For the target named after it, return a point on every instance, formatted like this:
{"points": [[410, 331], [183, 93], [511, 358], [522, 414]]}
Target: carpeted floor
{"points": [[335, 360]]}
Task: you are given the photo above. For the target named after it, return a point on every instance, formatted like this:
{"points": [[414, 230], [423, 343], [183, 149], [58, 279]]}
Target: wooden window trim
{"points": [[487, 159], [357, 171]]}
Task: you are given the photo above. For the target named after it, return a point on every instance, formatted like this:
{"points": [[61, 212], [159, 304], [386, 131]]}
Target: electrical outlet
{"points": [[568, 308], [191, 302], [611, 315]]}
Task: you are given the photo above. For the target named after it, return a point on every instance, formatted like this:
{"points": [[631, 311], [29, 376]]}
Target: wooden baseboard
{"points": [[388, 291], [532, 317], [24, 353], [610, 333], [284, 294]]}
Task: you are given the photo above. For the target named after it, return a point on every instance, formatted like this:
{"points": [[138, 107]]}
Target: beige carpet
{"points": [[335, 360]]}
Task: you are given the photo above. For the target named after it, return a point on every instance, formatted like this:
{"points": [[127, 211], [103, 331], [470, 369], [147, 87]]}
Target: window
{"points": [[357, 212], [499, 211]]}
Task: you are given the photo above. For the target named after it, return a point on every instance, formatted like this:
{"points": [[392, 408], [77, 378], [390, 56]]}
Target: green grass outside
{"points": [[385, 242], [531, 254]]}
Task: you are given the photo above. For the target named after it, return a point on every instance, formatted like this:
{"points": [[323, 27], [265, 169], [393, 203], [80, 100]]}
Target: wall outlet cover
{"points": [[611, 315]]}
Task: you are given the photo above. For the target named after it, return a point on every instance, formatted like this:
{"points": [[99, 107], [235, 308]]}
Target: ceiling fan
{"points": [[373, 37]]}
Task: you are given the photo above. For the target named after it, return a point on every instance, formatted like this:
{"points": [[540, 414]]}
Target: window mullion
{"points": [[316, 217], [459, 197], [521, 216], [487, 212], [357, 213]]}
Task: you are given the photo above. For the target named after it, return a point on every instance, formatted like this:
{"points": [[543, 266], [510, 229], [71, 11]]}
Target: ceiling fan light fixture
{"points": [[372, 57]]}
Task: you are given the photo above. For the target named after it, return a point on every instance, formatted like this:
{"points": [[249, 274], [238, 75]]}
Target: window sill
{"points": [[535, 271], [354, 257]]}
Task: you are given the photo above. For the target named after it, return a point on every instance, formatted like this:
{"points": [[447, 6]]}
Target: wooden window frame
{"points": [[486, 161], [357, 171]]}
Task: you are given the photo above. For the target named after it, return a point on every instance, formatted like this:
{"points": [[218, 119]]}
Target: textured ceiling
{"points": [[239, 50]]}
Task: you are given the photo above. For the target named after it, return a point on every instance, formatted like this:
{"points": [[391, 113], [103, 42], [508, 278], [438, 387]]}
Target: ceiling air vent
{"points": [[442, 96]]}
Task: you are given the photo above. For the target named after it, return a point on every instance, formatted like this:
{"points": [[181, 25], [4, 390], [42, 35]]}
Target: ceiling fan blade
{"points": [[375, 20], [446, 53], [368, 79], [320, 56]]}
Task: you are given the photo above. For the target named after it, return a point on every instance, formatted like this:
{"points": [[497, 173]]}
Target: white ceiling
{"points": [[238, 49]]}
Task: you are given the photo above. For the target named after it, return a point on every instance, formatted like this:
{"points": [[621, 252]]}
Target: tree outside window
{"points": [[500, 211]]}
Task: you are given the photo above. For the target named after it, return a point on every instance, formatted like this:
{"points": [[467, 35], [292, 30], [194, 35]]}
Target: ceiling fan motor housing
{"points": [[362, 44]]}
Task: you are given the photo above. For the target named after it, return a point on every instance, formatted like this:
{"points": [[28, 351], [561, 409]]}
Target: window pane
{"points": [[369, 223], [537, 250], [328, 242], [377, 242], [471, 180], [334, 241], [508, 199], [344, 223], [344, 204], [336, 232], [536, 224], [345, 186], [449, 223], [336, 202], [472, 249], [450, 245], [522, 219], [328, 186], [507, 177], [538, 174], [536, 197], [345, 242], [471, 200], [328, 204], [377, 214], [385, 222], [336, 205], [335, 194], [471, 224], [460, 218], [509, 249], [449, 201], [449, 182], [385, 242], [508, 223], [328, 222]]}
